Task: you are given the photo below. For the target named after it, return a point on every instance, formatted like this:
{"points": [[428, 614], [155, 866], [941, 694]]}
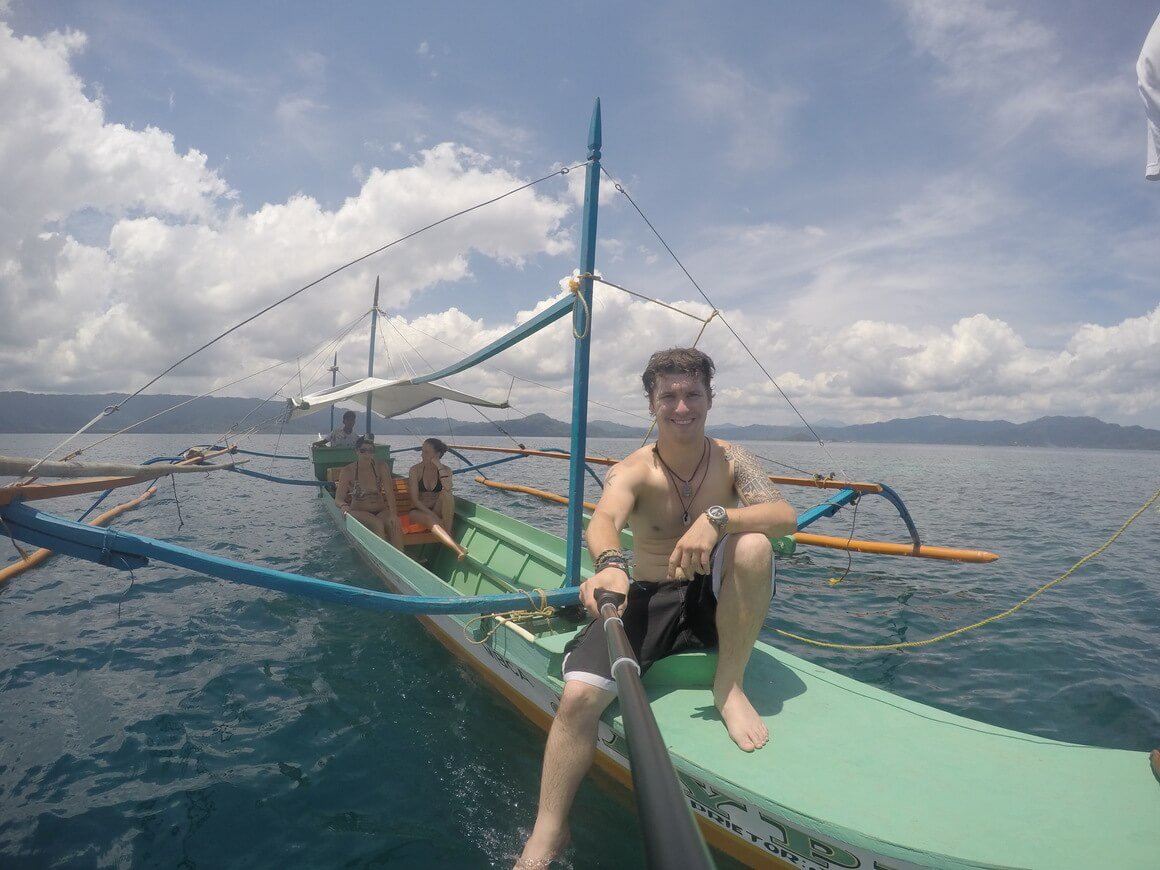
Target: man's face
{"points": [[680, 403], [348, 423]]}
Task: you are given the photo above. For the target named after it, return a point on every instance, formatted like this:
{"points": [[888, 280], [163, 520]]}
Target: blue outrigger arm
{"points": [[843, 497], [827, 508], [126, 552], [549, 315]]}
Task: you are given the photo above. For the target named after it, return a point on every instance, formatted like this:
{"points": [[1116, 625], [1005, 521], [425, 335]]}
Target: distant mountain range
{"points": [[38, 412]]}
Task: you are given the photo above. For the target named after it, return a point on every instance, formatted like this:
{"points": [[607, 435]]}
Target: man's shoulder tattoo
{"points": [[750, 481]]}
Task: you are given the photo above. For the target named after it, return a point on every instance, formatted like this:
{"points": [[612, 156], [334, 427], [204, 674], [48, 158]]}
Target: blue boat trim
{"points": [[125, 551]]}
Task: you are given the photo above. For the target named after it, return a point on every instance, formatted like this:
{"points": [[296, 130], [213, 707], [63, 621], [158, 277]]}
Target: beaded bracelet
{"points": [[612, 559]]}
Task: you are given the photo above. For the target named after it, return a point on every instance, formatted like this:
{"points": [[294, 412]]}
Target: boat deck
{"points": [[943, 790], [854, 764]]}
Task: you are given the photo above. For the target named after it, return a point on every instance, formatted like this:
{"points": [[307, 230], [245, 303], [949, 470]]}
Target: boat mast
{"points": [[333, 383], [582, 328], [371, 358]]}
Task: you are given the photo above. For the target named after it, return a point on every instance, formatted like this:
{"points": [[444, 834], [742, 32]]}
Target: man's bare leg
{"points": [[567, 757], [746, 591]]}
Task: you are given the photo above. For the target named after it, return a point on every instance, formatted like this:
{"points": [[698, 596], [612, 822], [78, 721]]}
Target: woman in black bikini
{"points": [[366, 491], [432, 504]]}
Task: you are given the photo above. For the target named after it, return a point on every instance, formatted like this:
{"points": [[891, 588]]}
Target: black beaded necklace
{"points": [[686, 491]]}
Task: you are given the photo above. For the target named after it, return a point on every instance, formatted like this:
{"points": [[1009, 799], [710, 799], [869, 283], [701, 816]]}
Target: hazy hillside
{"points": [[35, 412]]}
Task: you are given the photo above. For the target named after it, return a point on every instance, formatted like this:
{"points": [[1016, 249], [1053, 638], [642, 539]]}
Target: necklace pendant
{"points": [[685, 517], [687, 490]]}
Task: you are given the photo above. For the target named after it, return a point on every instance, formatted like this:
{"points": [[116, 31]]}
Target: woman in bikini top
{"points": [[366, 491], [429, 483]]}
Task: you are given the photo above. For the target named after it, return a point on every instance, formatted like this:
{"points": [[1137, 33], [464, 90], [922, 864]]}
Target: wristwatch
{"points": [[718, 516]]}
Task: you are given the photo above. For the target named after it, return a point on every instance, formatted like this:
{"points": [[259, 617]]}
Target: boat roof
{"points": [[390, 398]]}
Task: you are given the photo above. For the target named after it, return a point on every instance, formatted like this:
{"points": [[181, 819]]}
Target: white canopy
{"points": [[389, 398]]}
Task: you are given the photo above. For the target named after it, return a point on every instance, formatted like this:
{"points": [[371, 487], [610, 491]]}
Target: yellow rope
{"points": [[916, 643], [574, 289], [535, 610]]}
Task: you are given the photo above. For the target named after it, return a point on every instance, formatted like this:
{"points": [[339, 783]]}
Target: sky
{"points": [[897, 208]]}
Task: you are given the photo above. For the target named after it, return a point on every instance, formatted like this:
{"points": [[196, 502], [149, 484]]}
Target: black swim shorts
{"points": [[660, 619]]}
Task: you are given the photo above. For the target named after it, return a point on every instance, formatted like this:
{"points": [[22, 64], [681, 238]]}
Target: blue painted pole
{"points": [[371, 359], [582, 324]]}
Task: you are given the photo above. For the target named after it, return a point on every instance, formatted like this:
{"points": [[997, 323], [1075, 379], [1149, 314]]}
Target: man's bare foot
{"points": [[541, 850], [743, 723], [1154, 758]]}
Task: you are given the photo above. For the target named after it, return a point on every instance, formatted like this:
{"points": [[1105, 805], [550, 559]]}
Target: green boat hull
{"points": [[853, 777]]}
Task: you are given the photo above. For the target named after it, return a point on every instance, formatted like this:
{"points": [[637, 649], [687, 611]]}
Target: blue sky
{"points": [[903, 208]]}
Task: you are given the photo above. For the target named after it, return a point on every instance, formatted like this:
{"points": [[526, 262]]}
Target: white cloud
{"points": [[1013, 72], [750, 116], [118, 255], [179, 262], [979, 368]]}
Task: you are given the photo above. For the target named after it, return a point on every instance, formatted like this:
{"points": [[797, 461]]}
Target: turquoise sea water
{"points": [[168, 720]]}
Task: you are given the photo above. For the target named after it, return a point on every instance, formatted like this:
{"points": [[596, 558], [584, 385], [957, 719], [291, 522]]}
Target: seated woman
{"points": [[432, 504], [366, 491]]}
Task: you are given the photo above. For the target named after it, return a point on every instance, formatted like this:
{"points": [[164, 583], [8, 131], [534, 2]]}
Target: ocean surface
{"points": [[163, 719]]}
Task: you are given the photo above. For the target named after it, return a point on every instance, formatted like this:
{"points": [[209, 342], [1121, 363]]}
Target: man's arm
{"points": [[763, 509], [609, 518]]}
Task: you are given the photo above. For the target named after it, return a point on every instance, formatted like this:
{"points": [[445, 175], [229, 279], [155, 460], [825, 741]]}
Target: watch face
{"points": [[717, 515]]}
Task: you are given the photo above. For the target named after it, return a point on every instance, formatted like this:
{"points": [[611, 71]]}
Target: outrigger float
{"points": [[855, 778]]}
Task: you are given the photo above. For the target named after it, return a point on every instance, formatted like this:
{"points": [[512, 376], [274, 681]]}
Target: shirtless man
{"points": [[698, 508]]}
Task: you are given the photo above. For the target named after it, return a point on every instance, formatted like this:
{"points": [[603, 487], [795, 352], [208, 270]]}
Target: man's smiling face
{"points": [[680, 403]]}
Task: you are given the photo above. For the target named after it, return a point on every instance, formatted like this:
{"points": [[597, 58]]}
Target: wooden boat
{"points": [[854, 777]]}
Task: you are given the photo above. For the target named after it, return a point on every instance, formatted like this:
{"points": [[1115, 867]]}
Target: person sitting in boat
{"points": [[429, 483], [366, 491], [702, 512], [343, 436]]}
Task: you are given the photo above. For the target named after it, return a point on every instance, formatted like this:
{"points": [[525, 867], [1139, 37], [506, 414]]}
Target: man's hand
{"points": [[612, 579], [693, 551]]}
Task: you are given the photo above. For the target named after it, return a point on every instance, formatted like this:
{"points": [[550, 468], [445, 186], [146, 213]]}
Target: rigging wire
{"points": [[620, 188], [564, 170]]}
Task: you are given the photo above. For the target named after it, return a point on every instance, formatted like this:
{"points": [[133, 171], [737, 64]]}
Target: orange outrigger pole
{"points": [[882, 548]]}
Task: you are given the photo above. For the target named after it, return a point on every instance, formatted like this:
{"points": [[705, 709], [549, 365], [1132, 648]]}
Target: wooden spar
{"points": [[523, 451], [36, 491], [18, 465], [887, 548], [510, 625], [42, 554], [126, 475], [826, 483], [882, 548], [809, 482]]}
